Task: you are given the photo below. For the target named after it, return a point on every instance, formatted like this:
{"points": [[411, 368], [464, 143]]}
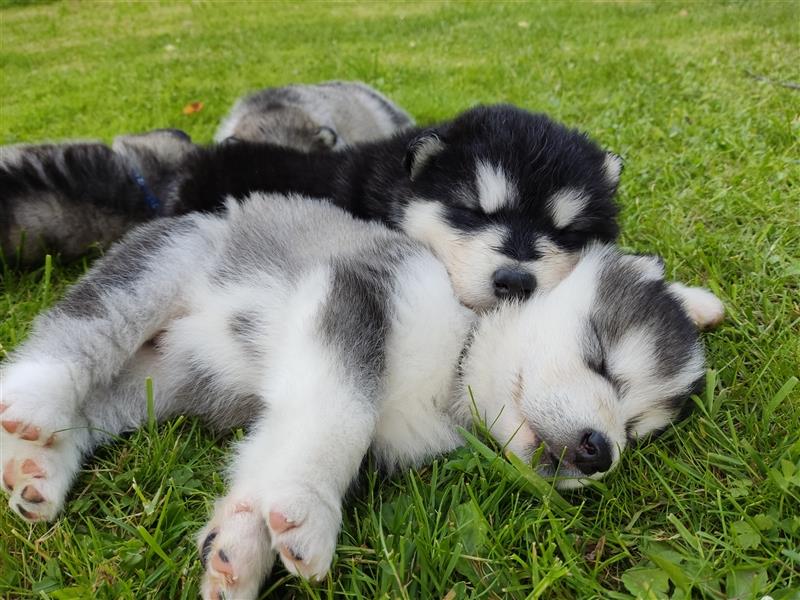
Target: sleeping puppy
{"points": [[324, 116], [505, 198], [333, 337]]}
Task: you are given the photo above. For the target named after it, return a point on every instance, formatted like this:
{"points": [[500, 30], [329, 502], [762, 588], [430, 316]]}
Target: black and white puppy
{"points": [[334, 337], [505, 198]]}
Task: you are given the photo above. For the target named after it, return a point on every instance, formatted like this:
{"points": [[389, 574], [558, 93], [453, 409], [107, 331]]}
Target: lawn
{"points": [[698, 100]]}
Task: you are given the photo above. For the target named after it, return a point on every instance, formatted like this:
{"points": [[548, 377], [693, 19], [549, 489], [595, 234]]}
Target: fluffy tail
{"points": [[64, 198]]}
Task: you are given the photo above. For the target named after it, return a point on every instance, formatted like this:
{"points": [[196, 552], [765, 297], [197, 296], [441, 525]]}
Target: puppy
{"points": [[506, 199], [325, 116], [333, 337]]}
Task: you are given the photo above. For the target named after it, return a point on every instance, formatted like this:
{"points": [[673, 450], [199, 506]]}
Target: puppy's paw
{"points": [[37, 400], [304, 528], [36, 478], [235, 551]]}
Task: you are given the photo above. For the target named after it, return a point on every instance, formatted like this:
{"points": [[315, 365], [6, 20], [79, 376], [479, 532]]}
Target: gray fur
{"points": [[307, 117], [122, 268], [627, 301], [355, 319]]}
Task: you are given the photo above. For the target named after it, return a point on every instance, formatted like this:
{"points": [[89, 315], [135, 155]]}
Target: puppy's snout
{"points": [[513, 283], [593, 454]]}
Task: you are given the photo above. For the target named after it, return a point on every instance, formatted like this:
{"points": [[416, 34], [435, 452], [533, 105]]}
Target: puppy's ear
{"points": [[612, 168], [650, 265], [703, 307], [421, 150], [325, 138]]}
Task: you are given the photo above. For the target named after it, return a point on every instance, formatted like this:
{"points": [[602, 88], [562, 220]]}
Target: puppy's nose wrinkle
{"points": [[593, 454], [513, 283]]}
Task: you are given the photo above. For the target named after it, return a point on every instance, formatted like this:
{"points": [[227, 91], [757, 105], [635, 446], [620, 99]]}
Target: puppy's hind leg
{"points": [[294, 468], [81, 344], [288, 481]]}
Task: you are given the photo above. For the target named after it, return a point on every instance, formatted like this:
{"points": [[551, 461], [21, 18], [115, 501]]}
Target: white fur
{"points": [[427, 335], [565, 205], [650, 267], [704, 308], [554, 264], [494, 189], [612, 166], [241, 534], [472, 258], [425, 150], [318, 409]]}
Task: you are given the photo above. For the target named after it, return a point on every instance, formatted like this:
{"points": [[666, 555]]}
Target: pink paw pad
{"points": [[279, 523], [222, 565], [27, 432], [32, 495], [9, 480], [10, 426], [30, 467]]}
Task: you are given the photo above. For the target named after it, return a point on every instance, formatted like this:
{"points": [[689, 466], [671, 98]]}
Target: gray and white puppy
{"points": [[307, 117], [67, 197], [332, 337]]}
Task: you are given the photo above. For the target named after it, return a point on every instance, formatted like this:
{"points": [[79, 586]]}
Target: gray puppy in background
{"points": [[327, 116], [64, 198]]}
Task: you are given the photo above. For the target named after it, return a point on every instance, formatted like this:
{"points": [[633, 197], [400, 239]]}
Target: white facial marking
{"points": [[471, 259], [565, 205], [612, 167], [553, 265], [494, 189]]}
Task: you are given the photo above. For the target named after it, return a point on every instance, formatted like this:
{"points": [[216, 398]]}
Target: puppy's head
{"points": [[608, 356], [507, 199]]}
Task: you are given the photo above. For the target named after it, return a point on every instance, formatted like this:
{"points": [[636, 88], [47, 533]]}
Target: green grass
{"points": [[711, 182]]}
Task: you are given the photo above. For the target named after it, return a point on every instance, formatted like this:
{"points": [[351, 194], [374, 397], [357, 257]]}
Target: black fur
{"points": [[622, 307], [69, 196], [372, 181]]}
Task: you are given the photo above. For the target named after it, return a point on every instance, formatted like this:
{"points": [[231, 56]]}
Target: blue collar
{"points": [[152, 200]]}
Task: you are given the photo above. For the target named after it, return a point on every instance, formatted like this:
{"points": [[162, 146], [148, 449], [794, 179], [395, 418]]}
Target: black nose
{"points": [[513, 283], [593, 454]]}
